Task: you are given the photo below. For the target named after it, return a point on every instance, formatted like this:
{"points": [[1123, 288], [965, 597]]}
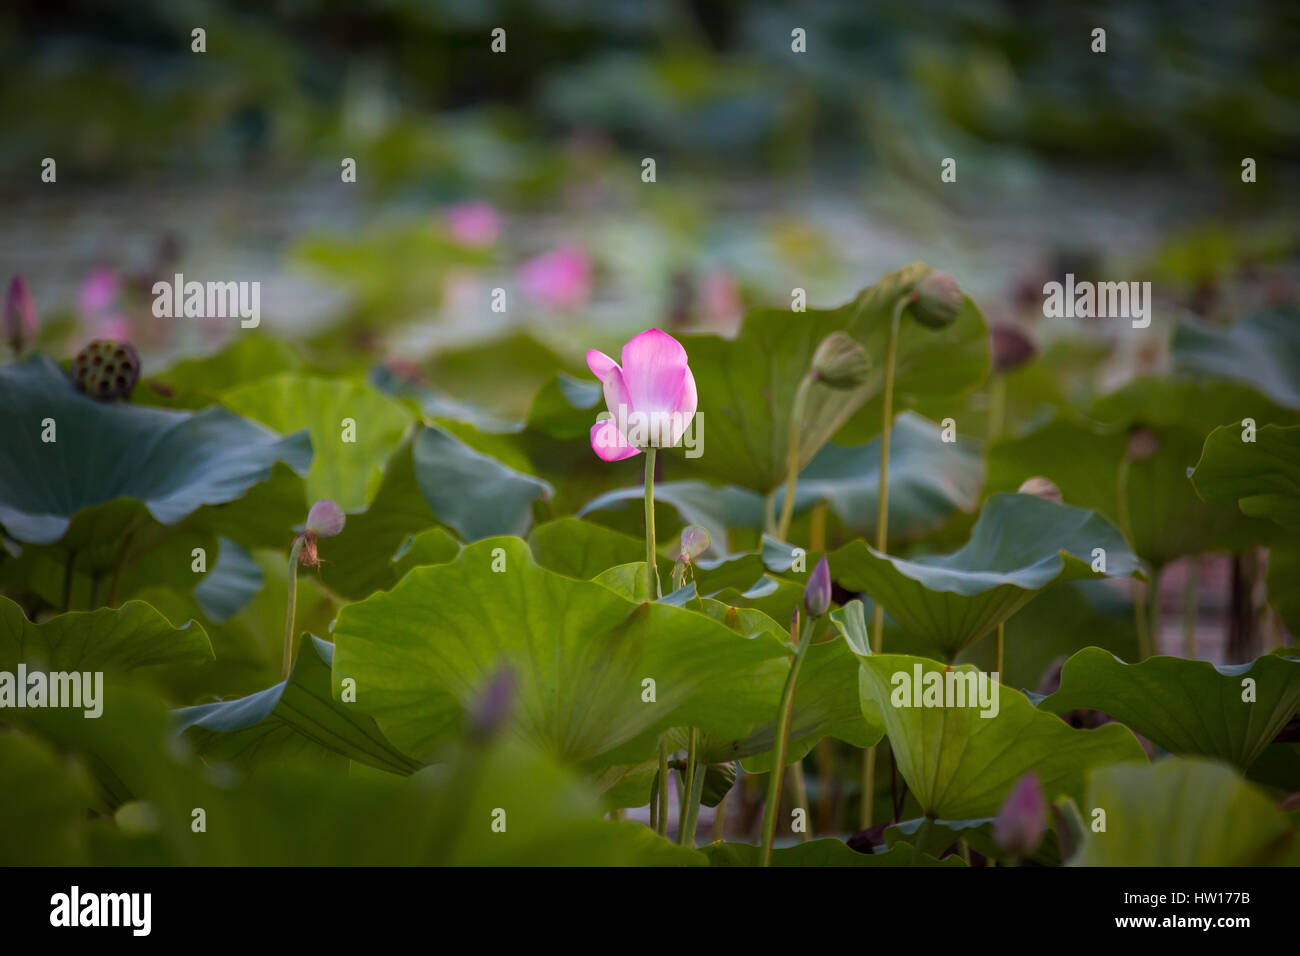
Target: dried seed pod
{"points": [[106, 370]]}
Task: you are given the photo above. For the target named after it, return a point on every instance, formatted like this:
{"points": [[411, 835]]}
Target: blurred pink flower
{"points": [[114, 327], [721, 296], [559, 279], [19, 315], [474, 223], [651, 396], [98, 290]]}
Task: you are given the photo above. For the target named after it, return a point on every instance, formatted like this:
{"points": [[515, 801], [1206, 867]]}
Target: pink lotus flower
{"points": [[474, 223], [651, 396], [559, 279], [98, 290]]}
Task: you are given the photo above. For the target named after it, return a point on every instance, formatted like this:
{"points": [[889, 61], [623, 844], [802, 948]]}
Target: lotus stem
{"points": [[652, 569], [882, 533], [776, 777], [792, 453], [69, 572], [694, 791], [1002, 627], [661, 797], [800, 787], [287, 661], [720, 818]]}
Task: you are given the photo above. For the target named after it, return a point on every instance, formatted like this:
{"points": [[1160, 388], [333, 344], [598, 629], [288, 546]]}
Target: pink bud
{"points": [[325, 519], [19, 315], [98, 290], [1022, 821]]}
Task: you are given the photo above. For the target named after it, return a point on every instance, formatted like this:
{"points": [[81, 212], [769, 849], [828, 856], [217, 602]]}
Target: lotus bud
{"points": [[817, 592], [106, 370], [1011, 348], [695, 541], [1143, 442], [490, 711], [19, 315], [1041, 487], [1022, 821], [325, 519], [936, 300], [840, 361]]}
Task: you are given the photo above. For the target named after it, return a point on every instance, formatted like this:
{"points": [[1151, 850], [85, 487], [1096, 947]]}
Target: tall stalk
{"points": [[777, 775], [792, 453], [651, 558], [882, 534], [286, 664]]}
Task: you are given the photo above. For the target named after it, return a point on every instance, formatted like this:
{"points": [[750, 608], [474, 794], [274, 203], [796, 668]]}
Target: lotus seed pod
{"points": [[325, 519], [937, 300], [1041, 488], [817, 592], [1011, 348], [106, 370], [840, 361], [19, 315], [1022, 821]]}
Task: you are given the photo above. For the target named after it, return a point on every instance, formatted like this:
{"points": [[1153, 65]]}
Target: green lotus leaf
{"points": [[581, 549], [349, 458], [1263, 475], [295, 721], [824, 852], [126, 638], [471, 492], [929, 479], [977, 833], [960, 765], [1184, 812], [1020, 545], [566, 407], [1283, 595], [173, 462], [199, 382], [746, 386], [580, 649], [1063, 619], [696, 502], [305, 817], [231, 584], [1191, 708], [1166, 519], [1261, 350], [44, 799]]}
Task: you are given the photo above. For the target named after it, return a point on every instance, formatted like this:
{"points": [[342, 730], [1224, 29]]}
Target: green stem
{"points": [[1153, 598], [69, 572], [119, 570], [800, 787], [651, 555], [286, 664], [792, 454], [1190, 610], [997, 407], [662, 796], [1001, 641], [775, 778], [769, 513], [695, 773], [882, 533], [922, 838]]}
